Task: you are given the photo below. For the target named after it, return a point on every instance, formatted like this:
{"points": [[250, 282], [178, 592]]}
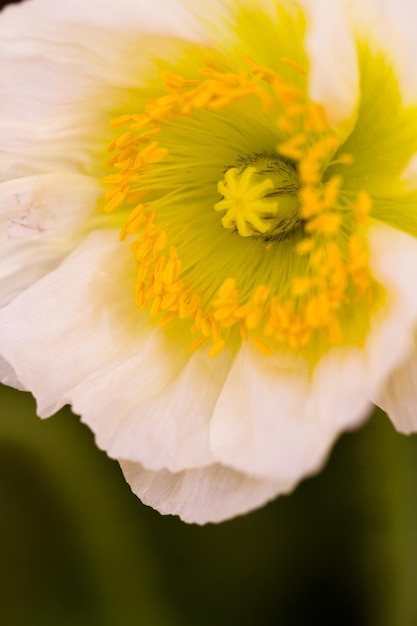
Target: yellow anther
{"points": [[152, 153], [294, 147], [113, 179], [285, 124], [177, 83], [156, 306], [140, 121], [202, 323], [228, 288], [135, 220], [226, 303], [333, 331], [115, 202], [289, 95], [215, 331], [144, 137], [160, 242], [261, 346], [196, 344], [143, 272], [265, 73], [344, 159], [316, 121], [112, 160], [301, 285], [311, 203], [326, 223], [124, 140], [331, 191], [244, 331], [217, 348], [362, 207], [120, 121], [305, 246], [293, 64], [167, 318]]}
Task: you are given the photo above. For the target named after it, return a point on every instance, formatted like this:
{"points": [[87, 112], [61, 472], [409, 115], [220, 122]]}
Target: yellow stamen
{"points": [[293, 64], [217, 348], [264, 196], [121, 121]]}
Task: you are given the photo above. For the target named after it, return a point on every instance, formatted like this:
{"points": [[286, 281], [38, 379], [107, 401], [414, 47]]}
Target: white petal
{"points": [[275, 419], [8, 375], [159, 16], [54, 112], [211, 494], [77, 337], [44, 315], [261, 424], [153, 406], [40, 220], [409, 176], [334, 77], [398, 397], [45, 124]]}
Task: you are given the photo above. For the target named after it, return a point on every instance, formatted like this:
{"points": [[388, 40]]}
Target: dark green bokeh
{"points": [[79, 549]]}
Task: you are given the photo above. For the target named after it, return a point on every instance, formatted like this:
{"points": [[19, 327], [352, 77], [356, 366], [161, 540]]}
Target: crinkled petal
{"points": [[275, 419], [210, 494], [40, 221]]}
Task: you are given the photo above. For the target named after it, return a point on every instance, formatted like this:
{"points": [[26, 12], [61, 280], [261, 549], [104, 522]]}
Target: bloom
{"points": [[209, 236]]}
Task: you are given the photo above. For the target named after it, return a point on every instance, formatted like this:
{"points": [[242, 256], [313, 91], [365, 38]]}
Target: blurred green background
{"points": [[78, 548]]}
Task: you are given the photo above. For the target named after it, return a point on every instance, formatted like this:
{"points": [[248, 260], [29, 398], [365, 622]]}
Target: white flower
{"points": [[246, 290]]}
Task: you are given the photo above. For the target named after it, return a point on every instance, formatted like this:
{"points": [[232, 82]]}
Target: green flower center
{"points": [[270, 249]]}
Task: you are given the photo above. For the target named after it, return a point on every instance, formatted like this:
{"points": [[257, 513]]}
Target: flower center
{"points": [[287, 262], [260, 198]]}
